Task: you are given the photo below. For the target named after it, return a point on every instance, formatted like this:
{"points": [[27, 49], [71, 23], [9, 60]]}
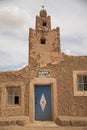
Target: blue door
{"points": [[42, 102]]}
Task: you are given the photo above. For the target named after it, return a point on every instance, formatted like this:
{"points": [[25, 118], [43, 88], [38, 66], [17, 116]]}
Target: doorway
{"points": [[44, 85], [42, 102]]}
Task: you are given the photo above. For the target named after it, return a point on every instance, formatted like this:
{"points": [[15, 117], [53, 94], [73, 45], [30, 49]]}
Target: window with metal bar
{"points": [[82, 82], [13, 95]]}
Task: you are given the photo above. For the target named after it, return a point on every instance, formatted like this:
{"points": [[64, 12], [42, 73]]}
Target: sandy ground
{"points": [[41, 128]]}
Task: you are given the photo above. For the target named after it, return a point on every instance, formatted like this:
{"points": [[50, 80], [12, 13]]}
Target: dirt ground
{"points": [[40, 128]]}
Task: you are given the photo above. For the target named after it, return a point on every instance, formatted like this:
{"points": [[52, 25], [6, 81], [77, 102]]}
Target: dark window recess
{"points": [[16, 100], [82, 83], [43, 41], [44, 23]]}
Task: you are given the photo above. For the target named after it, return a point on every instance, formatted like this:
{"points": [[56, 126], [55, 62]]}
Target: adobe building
{"points": [[52, 87]]}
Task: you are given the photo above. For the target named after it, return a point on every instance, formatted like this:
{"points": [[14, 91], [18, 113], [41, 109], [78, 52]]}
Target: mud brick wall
{"points": [[12, 78], [45, 53], [67, 103]]}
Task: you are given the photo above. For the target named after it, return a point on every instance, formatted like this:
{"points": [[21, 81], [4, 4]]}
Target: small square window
{"points": [[13, 95], [43, 41], [44, 23], [80, 83]]}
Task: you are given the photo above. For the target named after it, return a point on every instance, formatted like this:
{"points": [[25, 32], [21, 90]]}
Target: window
{"points": [[44, 23], [16, 101], [43, 41], [80, 83], [13, 95]]}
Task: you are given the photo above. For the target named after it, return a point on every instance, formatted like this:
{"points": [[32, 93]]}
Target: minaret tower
{"points": [[44, 43]]}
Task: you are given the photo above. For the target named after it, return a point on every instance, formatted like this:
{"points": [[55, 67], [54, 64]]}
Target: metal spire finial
{"points": [[43, 7]]}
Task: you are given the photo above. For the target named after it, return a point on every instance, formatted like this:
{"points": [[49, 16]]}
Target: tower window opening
{"points": [[43, 41], [44, 23]]}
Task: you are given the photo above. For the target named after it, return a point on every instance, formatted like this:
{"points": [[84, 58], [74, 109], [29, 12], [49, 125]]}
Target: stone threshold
{"points": [[43, 124]]}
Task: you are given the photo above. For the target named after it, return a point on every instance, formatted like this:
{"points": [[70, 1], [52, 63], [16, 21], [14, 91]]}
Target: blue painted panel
{"points": [[39, 114]]}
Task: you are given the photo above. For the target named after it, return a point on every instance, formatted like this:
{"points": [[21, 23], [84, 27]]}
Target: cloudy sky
{"points": [[17, 16]]}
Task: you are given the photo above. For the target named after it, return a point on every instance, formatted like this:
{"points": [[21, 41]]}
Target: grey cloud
{"points": [[82, 1], [69, 15], [3, 54], [75, 45], [11, 67], [3, 0], [13, 16], [13, 34]]}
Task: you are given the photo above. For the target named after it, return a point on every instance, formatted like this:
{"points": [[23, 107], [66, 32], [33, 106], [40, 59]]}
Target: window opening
{"points": [[82, 83], [16, 100], [13, 95], [44, 23], [43, 41]]}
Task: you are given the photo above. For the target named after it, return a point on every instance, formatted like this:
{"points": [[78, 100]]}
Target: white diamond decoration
{"points": [[43, 102]]}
